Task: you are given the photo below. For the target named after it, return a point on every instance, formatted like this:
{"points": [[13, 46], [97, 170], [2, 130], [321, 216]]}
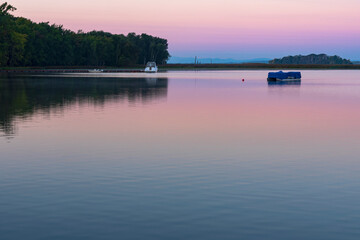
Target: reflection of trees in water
{"points": [[21, 97]]}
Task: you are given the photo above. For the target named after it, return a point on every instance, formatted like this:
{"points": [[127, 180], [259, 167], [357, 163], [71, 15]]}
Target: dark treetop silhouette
{"points": [[311, 59]]}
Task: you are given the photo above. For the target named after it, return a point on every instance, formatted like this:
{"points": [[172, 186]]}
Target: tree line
{"points": [[26, 43], [311, 59]]}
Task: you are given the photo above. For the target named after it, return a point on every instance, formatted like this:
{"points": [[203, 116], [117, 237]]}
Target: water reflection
{"points": [[288, 88], [22, 96], [223, 159], [284, 84]]}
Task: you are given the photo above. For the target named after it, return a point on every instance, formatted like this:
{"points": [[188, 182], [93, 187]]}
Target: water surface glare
{"points": [[180, 155]]}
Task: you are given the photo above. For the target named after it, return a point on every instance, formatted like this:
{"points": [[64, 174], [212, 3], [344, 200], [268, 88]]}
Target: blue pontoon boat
{"points": [[284, 76]]}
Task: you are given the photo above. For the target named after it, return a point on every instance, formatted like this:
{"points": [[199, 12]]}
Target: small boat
{"points": [[151, 67], [284, 76], [95, 71]]}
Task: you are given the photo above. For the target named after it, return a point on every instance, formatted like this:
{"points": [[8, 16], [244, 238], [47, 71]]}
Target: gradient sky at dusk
{"points": [[238, 29]]}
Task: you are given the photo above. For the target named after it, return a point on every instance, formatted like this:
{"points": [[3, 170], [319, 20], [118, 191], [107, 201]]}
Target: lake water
{"points": [[180, 155]]}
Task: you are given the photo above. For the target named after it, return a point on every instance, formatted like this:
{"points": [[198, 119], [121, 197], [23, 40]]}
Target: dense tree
{"points": [[311, 59], [25, 43], [12, 43]]}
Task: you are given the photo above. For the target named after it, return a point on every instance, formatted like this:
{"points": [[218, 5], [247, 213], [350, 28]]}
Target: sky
{"points": [[239, 29]]}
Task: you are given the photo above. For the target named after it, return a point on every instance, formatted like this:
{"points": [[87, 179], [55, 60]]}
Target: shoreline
{"points": [[258, 66], [185, 67]]}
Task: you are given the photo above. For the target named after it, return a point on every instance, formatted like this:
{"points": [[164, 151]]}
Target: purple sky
{"points": [[216, 28]]}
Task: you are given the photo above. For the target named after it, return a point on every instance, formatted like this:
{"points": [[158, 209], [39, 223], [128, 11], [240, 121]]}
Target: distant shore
{"points": [[139, 68], [259, 66]]}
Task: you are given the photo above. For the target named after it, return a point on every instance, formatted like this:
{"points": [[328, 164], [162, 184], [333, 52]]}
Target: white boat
{"points": [[151, 67], [95, 71]]}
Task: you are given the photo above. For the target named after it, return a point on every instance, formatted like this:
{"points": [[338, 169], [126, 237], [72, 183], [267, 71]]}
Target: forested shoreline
{"points": [[312, 59], [24, 43]]}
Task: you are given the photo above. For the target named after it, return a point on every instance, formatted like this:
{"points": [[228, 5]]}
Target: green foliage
{"points": [[25, 43], [8, 37], [16, 48]]}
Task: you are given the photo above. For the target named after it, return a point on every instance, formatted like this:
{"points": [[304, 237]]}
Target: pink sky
{"points": [[216, 28]]}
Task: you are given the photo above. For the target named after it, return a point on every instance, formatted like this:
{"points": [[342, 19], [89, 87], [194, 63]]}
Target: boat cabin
{"points": [[151, 67], [284, 76]]}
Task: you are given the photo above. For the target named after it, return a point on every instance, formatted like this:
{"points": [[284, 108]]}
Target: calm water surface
{"points": [[180, 155]]}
